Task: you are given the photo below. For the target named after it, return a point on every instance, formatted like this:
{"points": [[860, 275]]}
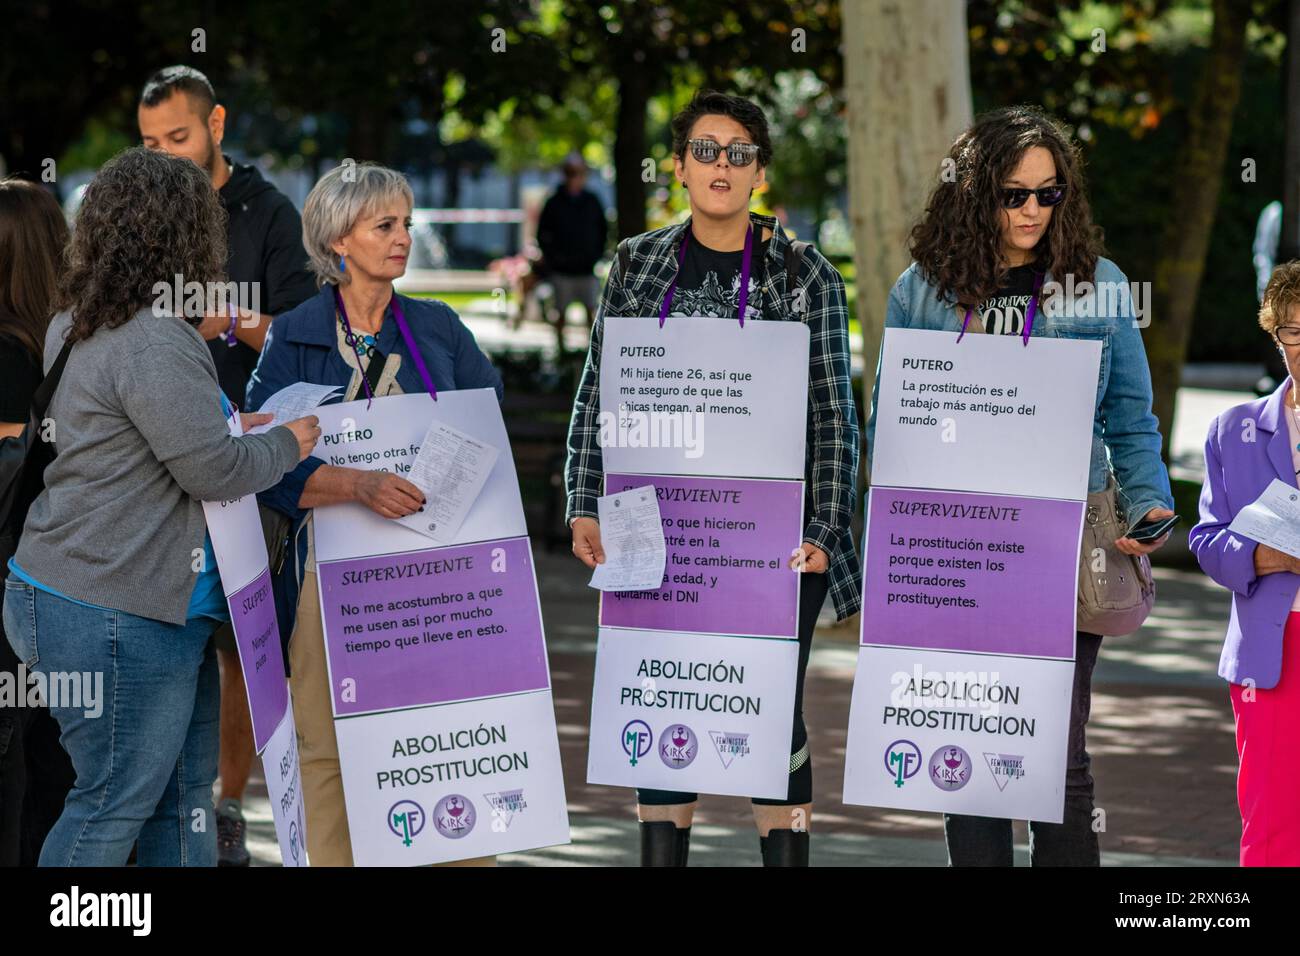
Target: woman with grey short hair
{"points": [[360, 335]]}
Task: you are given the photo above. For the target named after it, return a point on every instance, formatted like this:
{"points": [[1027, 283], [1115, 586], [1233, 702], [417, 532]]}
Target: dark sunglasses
{"points": [[1047, 196], [738, 154]]}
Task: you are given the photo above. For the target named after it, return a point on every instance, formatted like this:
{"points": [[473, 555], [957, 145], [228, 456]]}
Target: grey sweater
{"points": [[141, 442]]}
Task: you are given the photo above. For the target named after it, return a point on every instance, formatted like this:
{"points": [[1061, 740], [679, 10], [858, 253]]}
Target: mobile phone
{"points": [[1149, 531]]}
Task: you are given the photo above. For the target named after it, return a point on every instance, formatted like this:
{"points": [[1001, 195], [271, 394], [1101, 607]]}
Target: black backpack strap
{"points": [[794, 253], [45, 391]]}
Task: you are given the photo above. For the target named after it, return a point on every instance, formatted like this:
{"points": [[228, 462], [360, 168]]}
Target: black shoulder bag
{"points": [[22, 462]]}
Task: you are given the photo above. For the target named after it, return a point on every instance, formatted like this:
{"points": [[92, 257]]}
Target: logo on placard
{"points": [[678, 746], [729, 745], [637, 737], [950, 768], [406, 820], [293, 840], [505, 804], [454, 816], [902, 760], [1005, 768]]}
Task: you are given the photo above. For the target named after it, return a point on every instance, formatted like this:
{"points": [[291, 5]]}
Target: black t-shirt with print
{"points": [[708, 283], [1004, 312]]}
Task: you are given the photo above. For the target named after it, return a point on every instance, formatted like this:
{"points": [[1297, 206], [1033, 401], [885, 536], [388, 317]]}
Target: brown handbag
{"points": [[1116, 590]]}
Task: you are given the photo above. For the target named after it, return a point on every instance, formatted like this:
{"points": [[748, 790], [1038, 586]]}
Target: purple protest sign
{"points": [[431, 627], [252, 616], [971, 572], [729, 542]]}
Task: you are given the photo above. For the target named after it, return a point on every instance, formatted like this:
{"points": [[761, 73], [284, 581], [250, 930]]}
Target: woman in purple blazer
{"points": [[1248, 447]]}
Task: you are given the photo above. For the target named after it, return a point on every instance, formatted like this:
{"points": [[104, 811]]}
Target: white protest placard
{"points": [[672, 717], [965, 670], [985, 416], [713, 416], [439, 678], [240, 548], [696, 397], [351, 437]]}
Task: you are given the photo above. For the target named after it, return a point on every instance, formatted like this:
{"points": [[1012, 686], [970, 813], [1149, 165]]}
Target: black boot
{"points": [[785, 848], [663, 843]]}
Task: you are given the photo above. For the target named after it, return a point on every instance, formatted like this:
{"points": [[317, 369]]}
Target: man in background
{"points": [[179, 114], [571, 234]]}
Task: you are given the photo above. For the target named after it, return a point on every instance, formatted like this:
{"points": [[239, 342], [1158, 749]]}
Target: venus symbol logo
{"points": [[902, 761], [454, 816], [636, 740], [406, 820], [678, 746]]}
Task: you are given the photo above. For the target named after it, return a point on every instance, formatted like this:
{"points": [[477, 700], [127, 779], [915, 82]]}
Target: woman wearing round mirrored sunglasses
{"points": [[701, 268], [1010, 216]]}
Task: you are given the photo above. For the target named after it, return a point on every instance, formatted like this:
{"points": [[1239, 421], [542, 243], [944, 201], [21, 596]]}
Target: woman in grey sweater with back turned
{"points": [[114, 589]]}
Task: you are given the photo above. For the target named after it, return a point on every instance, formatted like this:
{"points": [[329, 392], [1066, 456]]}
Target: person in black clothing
{"points": [[572, 233], [35, 772], [179, 114]]}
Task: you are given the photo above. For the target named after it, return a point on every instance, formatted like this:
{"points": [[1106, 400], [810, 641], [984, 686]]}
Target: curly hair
{"points": [[145, 218], [1281, 296], [958, 243]]}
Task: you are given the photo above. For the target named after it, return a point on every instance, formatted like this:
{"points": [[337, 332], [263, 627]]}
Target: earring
{"points": [[343, 263]]}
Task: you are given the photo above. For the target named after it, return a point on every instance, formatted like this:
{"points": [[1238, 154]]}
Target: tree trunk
{"points": [[1198, 176], [630, 149], [1289, 244], [907, 87]]}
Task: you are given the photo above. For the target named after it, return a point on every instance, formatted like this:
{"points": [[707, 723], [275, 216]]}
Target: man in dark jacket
{"points": [[572, 233], [179, 114]]}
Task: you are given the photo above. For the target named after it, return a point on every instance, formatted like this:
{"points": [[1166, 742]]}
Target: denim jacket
{"points": [[1125, 434]]}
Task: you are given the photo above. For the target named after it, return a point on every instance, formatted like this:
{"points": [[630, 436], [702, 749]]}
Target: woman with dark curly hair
{"points": [[114, 588], [1009, 222]]}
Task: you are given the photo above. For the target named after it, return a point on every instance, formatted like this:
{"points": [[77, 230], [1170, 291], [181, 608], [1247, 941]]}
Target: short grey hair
{"points": [[344, 195]]}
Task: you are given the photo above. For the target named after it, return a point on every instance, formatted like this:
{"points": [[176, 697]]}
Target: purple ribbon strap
{"points": [[400, 318], [745, 263], [1029, 312]]}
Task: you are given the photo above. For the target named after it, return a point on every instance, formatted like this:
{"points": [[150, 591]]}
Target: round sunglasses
{"points": [[1047, 196], [738, 154]]}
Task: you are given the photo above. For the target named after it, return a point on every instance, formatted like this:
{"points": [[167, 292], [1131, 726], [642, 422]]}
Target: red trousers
{"points": [[1268, 747]]}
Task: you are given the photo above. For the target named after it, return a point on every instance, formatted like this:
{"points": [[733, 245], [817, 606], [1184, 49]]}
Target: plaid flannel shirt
{"points": [[832, 465]]}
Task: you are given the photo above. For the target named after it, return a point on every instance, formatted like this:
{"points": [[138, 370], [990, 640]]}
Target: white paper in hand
{"points": [[293, 402], [451, 469], [1272, 519], [632, 534]]}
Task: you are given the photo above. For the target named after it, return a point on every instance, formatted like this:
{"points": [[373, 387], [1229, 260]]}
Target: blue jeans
{"points": [[145, 764]]}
